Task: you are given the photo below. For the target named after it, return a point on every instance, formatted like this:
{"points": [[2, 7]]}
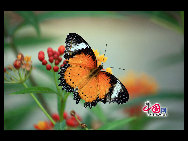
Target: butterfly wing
{"points": [[74, 43], [111, 89], [75, 75], [103, 87]]}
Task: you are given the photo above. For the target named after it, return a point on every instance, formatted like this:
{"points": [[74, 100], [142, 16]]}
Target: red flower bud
{"points": [[17, 64], [54, 52], [57, 53], [70, 122], [50, 54], [65, 115], [49, 50], [55, 68], [44, 62], [48, 67], [5, 70], [41, 57], [60, 59], [55, 117], [61, 49], [51, 59], [56, 62], [41, 52], [56, 56]]}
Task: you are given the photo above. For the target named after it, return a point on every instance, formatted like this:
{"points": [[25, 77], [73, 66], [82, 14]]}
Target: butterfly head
{"points": [[100, 67]]}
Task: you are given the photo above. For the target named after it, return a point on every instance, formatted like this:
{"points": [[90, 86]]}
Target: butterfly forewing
{"points": [[74, 43]]}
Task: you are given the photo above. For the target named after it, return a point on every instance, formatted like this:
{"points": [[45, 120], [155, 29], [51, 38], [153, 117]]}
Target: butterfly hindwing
{"points": [[116, 90]]}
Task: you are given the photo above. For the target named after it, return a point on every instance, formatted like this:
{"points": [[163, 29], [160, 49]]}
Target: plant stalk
{"points": [[40, 97], [40, 106]]}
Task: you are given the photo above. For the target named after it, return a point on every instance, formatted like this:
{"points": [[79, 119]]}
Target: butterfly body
{"points": [[85, 79]]}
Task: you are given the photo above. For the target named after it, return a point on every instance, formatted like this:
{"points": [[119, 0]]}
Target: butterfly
{"points": [[85, 79]]}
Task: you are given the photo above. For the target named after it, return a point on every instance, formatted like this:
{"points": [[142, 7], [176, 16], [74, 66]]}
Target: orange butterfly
{"points": [[87, 81]]}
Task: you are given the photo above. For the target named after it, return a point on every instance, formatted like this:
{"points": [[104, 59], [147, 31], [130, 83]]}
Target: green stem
{"points": [[62, 107], [57, 87], [11, 76], [12, 82], [61, 102], [61, 98], [20, 75], [40, 106], [15, 50]]}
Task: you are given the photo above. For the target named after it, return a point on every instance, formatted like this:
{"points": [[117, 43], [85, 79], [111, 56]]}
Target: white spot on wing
{"points": [[116, 89], [78, 47]]}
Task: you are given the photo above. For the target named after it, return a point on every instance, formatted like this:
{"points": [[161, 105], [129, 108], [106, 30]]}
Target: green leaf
{"points": [[14, 116], [116, 124], [60, 125], [30, 18], [140, 123], [34, 90], [166, 16], [167, 19]]}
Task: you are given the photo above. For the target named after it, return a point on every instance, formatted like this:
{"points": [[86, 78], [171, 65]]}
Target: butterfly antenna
{"points": [[104, 52], [118, 68]]}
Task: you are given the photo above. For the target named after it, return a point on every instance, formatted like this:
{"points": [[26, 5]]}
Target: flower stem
{"points": [[61, 101], [11, 76], [40, 106], [63, 104], [80, 122], [16, 51]]}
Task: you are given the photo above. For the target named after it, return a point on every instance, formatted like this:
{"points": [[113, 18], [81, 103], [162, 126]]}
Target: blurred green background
{"points": [[150, 42]]}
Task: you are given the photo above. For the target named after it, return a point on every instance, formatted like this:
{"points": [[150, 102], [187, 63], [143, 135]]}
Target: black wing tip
{"points": [[74, 38]]}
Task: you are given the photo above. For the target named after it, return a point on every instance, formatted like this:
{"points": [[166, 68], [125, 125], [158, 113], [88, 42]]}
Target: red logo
{"points": [[156, 109]]}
